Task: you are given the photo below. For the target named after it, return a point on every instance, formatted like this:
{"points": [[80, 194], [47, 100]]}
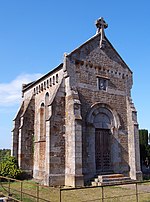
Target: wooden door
{"points": [[102, 150]]}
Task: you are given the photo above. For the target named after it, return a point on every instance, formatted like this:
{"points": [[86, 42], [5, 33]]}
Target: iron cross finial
{"points": [[101, 25]]}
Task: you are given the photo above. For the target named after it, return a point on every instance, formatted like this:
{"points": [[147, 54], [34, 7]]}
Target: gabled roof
{"points": [[90, 40], [72, 52]]}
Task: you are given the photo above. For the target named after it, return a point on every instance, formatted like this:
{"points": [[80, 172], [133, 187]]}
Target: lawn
{"points": [[125, 193]]}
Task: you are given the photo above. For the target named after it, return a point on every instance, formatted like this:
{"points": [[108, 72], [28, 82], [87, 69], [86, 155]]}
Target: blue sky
{"points": [[34, 35]]}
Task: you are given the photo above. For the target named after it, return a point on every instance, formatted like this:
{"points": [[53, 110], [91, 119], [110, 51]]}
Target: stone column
{"points": [[48, 147], [20, 145], [133, 143], [90, 163], [73, 138], [115, 150], [15, 139], [15, 133]]}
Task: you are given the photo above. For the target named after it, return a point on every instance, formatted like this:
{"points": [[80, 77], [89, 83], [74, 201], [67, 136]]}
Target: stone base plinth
{"points": [[50, 180], [56, 179], [74, 180], [139, 176]]}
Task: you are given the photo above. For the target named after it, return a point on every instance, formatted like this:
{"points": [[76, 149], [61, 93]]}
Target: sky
{"points": [[35, 34]]}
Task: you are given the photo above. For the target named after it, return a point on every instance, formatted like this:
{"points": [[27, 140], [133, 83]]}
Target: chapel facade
{"points": [[78, 120]]}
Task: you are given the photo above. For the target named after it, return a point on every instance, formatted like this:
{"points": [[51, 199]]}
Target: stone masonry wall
{"points": [[87, 64], [48, 128]]}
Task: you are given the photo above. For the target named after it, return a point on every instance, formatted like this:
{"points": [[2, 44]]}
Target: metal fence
{"points": [[132, 191], [28, 191], [32, 192]]}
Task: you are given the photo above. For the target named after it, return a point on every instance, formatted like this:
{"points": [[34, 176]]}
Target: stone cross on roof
{"points": [[101, 25]]}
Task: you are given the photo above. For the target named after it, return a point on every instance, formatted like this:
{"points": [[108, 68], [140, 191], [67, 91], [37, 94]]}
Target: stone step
{"points": [[116, 179], [110, 176], [110, 179], [113, 182], [110, 182], [94, 184]]}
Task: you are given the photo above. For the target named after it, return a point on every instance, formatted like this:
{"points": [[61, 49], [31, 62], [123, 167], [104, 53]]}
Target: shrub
{"points": [[9, 168], [4, 153]]}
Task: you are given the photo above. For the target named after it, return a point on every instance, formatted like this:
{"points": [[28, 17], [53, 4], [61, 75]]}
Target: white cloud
{"points": [[10, 93]]}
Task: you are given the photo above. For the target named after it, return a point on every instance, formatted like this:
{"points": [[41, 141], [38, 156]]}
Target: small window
{"points": [[42, 122], [53, 80], [50, 82], [41, 86], [37, 90], [102, 84], [56, 78], [44, 85], [47, 83]]}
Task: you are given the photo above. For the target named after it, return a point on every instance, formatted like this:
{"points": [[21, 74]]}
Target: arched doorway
{"points": [[101, 122]]}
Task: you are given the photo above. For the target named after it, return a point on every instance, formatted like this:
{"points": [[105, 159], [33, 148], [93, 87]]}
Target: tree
{"points": [[144, 147], [4, 153], [9, 167], [143, 137]]}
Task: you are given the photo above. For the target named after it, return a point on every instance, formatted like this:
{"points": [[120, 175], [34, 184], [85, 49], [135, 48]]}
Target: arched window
{"points": [[42, 122], [46, 106]]}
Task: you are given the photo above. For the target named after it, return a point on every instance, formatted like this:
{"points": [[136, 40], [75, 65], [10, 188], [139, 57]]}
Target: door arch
{"points": [[101, 121]]}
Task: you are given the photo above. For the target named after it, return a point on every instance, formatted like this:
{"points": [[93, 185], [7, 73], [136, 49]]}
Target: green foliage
{"points": [[9, 167], [4, 153], [143, 137], [144, 147]]}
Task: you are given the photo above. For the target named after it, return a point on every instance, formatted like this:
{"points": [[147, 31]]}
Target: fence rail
{"points": [[33, 192]]}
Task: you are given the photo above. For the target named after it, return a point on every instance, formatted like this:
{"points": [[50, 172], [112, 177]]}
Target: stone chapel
{"points": [[78, 120]]}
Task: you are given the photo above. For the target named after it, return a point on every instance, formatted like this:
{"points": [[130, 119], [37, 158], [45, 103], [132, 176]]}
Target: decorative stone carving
{"points": [[101, 25]]}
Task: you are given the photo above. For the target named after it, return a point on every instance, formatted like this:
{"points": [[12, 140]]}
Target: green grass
{"points": [[125, 193], [30, 190]]}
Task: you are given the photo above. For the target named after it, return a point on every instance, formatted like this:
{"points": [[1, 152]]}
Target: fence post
{"points": [[59, 194], [21, 184], [37, 193], [136, 192], [102, 194], [9, 187]]}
